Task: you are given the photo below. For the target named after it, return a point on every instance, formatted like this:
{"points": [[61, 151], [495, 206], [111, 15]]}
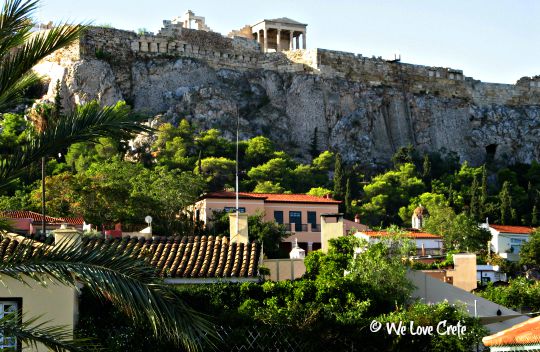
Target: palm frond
{"points": [[16, 64], [32, 332], [6, 225], [20, 49], [15, 24], [87, 123], [129, 283]]}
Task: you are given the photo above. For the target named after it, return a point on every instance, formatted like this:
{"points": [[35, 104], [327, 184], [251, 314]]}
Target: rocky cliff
{"points": [[363, 108]]}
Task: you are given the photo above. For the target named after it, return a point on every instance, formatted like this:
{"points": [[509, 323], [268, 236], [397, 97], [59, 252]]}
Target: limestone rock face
{"points": [[365, 121], [81, 81]]}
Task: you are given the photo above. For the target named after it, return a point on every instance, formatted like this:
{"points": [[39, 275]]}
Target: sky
{"points": [[490, 40]]}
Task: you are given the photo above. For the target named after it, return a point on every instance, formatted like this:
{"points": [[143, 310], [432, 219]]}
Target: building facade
{"points": [[506, 241], [299, 213]]}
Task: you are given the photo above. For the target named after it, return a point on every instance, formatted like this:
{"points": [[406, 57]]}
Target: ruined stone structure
{"points": [[279, 34], [366, 108]]}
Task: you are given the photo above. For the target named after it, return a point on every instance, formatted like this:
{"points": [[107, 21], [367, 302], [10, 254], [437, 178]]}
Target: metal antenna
{"points": [[237, 209]]}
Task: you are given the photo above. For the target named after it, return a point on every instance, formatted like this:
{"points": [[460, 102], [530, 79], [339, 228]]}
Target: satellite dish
{"points": [[148, 219]]}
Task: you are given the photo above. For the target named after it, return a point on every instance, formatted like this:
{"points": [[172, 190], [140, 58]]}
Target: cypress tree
{"points": [[314, 147], [338, 178], [506, 203], [426, 173], [534, 217], [473, 207], [348, 198], [483, 193]]}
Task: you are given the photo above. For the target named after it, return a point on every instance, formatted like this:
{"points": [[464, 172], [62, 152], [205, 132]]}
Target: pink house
{"points": [[29, 222], [299, 213]]}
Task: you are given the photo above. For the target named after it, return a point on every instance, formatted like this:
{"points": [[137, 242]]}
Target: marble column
{"points": [[291, 40], [304, 40], [265, 40], [278, 40], [259, 38]]}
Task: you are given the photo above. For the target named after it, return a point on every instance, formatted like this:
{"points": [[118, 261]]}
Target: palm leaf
{"points": [[21, 50], [129, 283], [31, 332]]}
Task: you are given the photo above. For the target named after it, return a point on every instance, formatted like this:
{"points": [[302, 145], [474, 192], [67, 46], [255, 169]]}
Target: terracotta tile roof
{"points": [[526, 333], [410, 234], [26, 214], [174, 257], [512, 229], [188, 256], [272, 197]]}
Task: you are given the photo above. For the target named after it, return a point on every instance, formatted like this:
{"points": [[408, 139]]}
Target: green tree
{"points": [[268, 187], [483, 194], [530, 251], [388, 192], [166, 196], [426, 170], [319, 192], [348, 198], [277, 170], [217, 172], [325, 161], [505, 199], [339, 181], [314, 145], [474, 206], [259, 150]]}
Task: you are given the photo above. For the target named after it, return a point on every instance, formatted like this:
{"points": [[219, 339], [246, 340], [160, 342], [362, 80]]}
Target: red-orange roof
{"points": [[26, 214], [512, 229], [410, 234], [272, 197], [526, 333]]}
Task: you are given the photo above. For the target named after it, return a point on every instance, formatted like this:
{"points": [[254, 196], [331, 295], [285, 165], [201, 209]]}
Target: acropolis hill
{"points": [[363, 107]]}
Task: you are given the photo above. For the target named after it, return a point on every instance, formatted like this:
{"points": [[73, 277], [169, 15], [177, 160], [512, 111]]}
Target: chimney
{"points": [[297, 252], [331, 227], [464, 273], [67, 236], [240, 234], [357, 218]]}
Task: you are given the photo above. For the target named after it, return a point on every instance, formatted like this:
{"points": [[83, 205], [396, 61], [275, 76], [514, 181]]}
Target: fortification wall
{"points": [[122, 47]]}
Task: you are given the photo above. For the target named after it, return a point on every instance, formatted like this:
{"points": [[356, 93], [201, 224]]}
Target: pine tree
{"points": [[483, 194], [474, 207], [506, 203], [348, 198], [338, 178]]}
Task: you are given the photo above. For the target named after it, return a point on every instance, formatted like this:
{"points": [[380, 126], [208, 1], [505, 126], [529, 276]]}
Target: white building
{"points": [[506, 240], [489, 273], [426, 243]]}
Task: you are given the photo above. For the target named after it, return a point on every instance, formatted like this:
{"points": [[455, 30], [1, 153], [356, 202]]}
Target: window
{"points": [[515, 244], [295, 217], [233, 210], [278, 216], [312, 219], [10, 306]]}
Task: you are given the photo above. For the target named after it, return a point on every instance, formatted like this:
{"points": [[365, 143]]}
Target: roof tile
{"points": [[512, 229], [273, 197], [525, 333]]}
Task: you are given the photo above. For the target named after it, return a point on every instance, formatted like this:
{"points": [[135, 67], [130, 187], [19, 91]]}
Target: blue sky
{"points": [[490, 40]]}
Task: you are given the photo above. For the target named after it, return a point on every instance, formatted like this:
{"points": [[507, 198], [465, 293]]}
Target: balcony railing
{"points": [[315, 228], [296, 227]]}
